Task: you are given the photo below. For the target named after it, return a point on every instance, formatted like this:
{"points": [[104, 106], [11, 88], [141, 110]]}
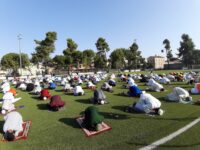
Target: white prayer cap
{"points": [[3, 112], [143, 92]]}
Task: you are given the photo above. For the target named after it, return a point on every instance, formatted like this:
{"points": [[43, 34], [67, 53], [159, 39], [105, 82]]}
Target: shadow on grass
{"points": [[43, 106], [157, 117], [122, 94], [70, 121], [164, 99], [121, 108], [110, 115], [84, 101], [125, 109], [59, 90], [116, 116], [1, 127], [35, 97], [30, 93], [72, 94]]}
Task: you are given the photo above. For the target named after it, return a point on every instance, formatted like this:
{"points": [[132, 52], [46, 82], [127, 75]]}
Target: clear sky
{"points": [[118, 21]]}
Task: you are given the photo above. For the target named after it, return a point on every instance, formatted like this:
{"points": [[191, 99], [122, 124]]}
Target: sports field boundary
{"points": [[170, 136]]}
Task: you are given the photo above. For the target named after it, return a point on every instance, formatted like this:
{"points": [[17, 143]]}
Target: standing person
{"points": [[13, 125]]}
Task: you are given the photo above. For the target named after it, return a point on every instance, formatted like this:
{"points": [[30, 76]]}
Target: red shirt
{"points": [[45, 93], [56, 101]]}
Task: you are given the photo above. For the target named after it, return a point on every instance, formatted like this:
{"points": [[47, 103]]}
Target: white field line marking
{"points": [[171, 136]]}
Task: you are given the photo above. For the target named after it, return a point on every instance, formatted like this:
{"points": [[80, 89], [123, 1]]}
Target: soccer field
{"points": [[59, 130]]}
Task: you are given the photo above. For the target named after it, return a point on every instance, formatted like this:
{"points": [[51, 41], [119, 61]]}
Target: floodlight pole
{"points": [[135, 40], [20, 57]]}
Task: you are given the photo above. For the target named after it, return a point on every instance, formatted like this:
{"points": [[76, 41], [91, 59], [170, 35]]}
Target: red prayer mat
{"points": [[91, 133], [22, 135]]}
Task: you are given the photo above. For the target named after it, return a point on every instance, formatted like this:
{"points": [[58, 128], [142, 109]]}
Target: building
{"points": [[156, 61], [174, 64]]}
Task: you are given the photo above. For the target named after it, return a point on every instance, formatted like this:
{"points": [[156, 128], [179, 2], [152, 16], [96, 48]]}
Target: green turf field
{"points": [[59, 130]]}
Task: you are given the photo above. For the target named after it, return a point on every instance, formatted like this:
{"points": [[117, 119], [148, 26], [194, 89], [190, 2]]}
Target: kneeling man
{"points": [[92, 119], [56, 103], [179, 95], [13, 125], [147, 104]]}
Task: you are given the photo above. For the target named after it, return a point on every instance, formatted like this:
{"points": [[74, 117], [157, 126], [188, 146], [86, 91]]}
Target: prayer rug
{"points": [[22, 135], [89, 133]]}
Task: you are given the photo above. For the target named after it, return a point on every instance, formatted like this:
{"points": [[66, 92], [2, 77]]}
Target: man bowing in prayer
{"points": [[13, 125]]}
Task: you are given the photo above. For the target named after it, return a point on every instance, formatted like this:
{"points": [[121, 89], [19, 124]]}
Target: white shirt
{"points": [[78, 89], [22, 86], [131, 82], [147, 101], [67, 86], [37, 89], [112, 76], [13, 121], [164, 80], [150, 82], [8, 105], [106, 86], [90, 84], [155, 86], [80, 81], [178, 94], [8, 96], [5, 87]]}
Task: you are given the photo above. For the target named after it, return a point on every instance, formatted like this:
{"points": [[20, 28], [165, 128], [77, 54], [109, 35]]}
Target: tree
{"points": [[102, 46], [117, 58], [44, 48], [186, 50], [12, 61], [133, 55], [99, 62], [59, 60], [168, 50], [70, 54], [196, 57], [71, 45], [88, 57], [77, 58]]}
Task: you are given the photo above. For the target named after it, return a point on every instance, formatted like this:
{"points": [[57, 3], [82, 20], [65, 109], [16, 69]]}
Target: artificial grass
{"points": [[59, 130]]}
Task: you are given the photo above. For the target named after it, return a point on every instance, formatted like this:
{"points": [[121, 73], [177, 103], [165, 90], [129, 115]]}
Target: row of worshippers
{"points": [[148, 103], [13, 120], [153, 85], [188, 77]]}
